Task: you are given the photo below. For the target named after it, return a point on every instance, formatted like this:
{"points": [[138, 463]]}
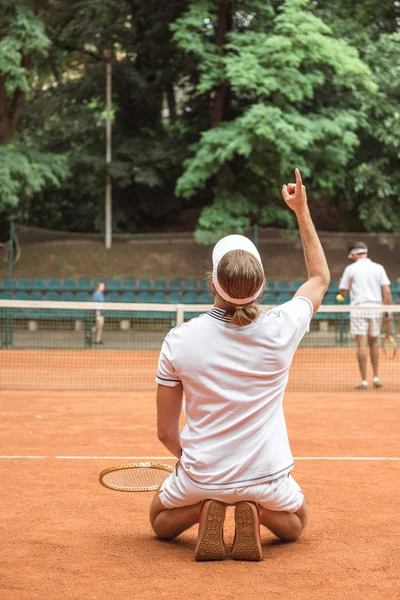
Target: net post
{"points": [[180, 314]]}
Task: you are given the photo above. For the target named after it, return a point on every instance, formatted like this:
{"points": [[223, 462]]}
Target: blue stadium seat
{"points": [[21, 296], [144, 297], [5, 295], [284, 297], [160, 285], [270, 299], [39, 285], [329, 298], [205, 298], [52, 296], [175, 298], [190, 298], [283, 286], [112, 297], [67, 296], [83, 297], [296, 284], [203, 286], [271, 286], [23, 284], [69, 285], [8, 284], [144, 285], [190, 285], [333, 287], [175, 285], [55, 285], [160, 298], [113, 285], [36, 296], [128, 297], [85, 285], [129, 285]]}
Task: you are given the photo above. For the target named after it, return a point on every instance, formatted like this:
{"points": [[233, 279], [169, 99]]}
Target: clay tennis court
{"points": [[66, 537]]}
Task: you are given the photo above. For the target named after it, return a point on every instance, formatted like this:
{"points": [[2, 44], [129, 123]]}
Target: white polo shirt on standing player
{"points": [[364, 280], [234, 379]]}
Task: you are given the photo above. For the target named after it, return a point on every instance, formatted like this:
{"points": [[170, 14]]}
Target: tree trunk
{"points": [[171, 103], [10, 117], [217, 113]]}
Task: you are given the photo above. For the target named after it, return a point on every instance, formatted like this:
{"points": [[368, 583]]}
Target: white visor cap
{"points": [[225, 245]]}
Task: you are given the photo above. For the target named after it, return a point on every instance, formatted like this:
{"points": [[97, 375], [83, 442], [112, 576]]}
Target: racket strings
{"points": [[135, 479]]}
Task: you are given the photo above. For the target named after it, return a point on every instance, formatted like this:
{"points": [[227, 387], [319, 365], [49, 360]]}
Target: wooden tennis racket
{"points": [[135, 477], [389, 345]]}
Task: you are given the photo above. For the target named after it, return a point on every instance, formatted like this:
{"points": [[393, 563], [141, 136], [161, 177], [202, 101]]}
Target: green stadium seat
{"points": [[283, 286], [284, 297], [5, 295], [36, 296], [113, 285], [205, 298], [203, 286], [160, 285], [190, 285], [329, 298], [67, 296], [23, 284], [55, 285], [85, 285], [39, 285], [160, 298], [69, 285], [21, 296], [175, 285], [144, 297], [333, 287], [83, 297], [175, 298], [112, 297], [128, 297], [190, 298], [8, 284], [52, 296], [271, 286], [296, 284], [144, 285], [270, 299], [129, 285]]}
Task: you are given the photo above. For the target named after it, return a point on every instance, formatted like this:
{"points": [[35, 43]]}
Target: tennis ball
{"points": [[339, 298]]}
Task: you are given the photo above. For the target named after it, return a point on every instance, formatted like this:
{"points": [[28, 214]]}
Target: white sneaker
{"points": [[363, 385], [377, 382]]}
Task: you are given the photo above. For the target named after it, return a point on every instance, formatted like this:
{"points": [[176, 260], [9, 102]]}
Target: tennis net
{"points": [[52, 345]]}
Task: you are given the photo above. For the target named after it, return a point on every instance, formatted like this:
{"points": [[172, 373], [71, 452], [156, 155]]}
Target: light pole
{"points": [[108, 200]]}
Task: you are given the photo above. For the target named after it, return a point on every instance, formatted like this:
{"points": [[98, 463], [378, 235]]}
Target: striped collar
{"points": [[219, 314]]}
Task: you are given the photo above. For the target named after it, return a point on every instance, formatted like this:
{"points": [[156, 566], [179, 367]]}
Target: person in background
{"points": [[98, 296], [368, 285]]}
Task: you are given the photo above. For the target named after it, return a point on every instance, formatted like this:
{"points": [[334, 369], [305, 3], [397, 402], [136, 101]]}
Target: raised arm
{"points": [[314, 289]]}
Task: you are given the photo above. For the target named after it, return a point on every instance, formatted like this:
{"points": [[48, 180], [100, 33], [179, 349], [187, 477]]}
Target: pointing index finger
{"points": [[299, 183]]}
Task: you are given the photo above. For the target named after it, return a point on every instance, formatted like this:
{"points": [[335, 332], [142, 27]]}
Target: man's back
{"points": [[364, 279]]}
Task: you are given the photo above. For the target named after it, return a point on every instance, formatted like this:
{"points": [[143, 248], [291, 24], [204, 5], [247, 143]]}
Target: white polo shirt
{"points": [[364, 279], [234, 379]]}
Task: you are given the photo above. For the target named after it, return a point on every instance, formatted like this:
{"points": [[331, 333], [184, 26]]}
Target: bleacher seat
{"points": [[175, 285], [270, 299], [52, 296], [21, 296], [112, 297], [5, 295], [67, 296], [270, 286], [113, 285], [128, 297], [144, 285], [83, 296], [190, 285], [36, 296], [129, 285], [203, 286], [38, 285], [329, 298], [175, 298], [160, 298], [23, 284], [190, 298], [160, 285], [144, 297], [284, 297], [333, 287], [282, 285], [205, 298], [85, 285], [69, 285], [296, 284], [55, 285], [8, 284]]}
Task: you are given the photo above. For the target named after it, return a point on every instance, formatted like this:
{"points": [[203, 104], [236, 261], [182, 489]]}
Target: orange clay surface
{"points": [[313, 370], [63, 536]]}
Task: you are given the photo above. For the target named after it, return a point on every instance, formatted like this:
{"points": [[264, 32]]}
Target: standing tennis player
{"points": [[233, 363], [368, 285], [98, 296]]}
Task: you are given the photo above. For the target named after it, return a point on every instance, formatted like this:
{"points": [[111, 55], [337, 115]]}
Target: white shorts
{"points": [[365, 323], [282, 494]]}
